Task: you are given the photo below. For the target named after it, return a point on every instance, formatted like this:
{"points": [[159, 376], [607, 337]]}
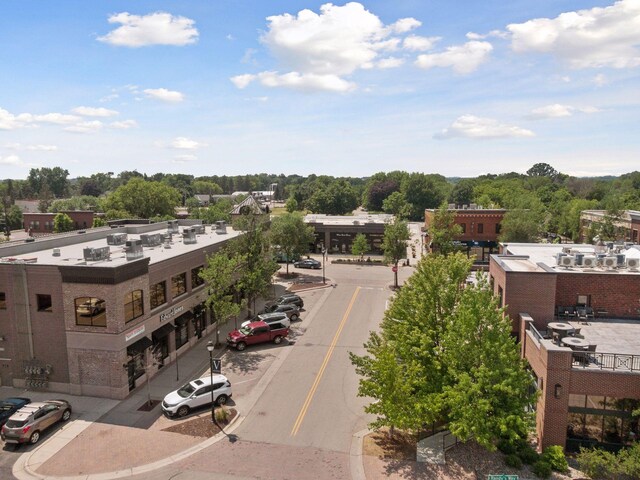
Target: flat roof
{"points": [[71, 246], [542, 257], [380, 218], [610, 335]]}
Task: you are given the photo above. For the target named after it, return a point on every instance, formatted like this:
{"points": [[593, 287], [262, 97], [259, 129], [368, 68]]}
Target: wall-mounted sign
{"points": [[134, 333], [171, 313]]}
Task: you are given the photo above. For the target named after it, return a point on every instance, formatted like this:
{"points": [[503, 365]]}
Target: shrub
{"points": [[554, 456], [629, 460], [542, 469], [222, 414], [598, 463], [506, 446], [513, 461], [528, 455]]}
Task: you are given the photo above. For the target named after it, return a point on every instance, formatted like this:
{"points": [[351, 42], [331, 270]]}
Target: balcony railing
{"points": [[607, 361]]}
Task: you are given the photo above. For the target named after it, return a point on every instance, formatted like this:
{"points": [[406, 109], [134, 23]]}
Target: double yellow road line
{"points": [[327, 357]]}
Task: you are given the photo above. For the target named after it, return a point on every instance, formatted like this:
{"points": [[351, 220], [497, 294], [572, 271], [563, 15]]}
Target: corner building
{"points": [[95, 313]]}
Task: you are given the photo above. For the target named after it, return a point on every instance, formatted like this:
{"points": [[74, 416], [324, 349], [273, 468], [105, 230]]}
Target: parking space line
{"points": [[314, 387]]}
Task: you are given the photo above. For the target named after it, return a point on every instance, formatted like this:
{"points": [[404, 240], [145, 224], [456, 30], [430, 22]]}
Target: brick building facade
{"points": [[82, 316], [42, 223]]}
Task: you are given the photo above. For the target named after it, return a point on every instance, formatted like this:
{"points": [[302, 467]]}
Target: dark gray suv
{"points": [[292, 311]]}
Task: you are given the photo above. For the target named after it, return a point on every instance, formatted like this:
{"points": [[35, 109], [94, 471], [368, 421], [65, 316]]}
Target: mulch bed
{"points": [[201, 426]]}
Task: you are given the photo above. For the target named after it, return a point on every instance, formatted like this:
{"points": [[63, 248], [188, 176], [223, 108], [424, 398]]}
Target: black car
{"points": [[308, 263], [291, 310], [9, 406]]}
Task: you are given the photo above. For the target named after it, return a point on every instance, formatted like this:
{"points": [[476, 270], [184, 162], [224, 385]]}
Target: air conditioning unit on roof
{"points": [[589, 261], [567, 261], [609, 262], [633, 263]]}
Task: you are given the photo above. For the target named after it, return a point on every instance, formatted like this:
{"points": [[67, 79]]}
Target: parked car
{"points": [[292, 311], [10, 405], [257, 332], [269, 318], [28, 423], [197, 393], [91, 307], [308, 263], [289, 299]]}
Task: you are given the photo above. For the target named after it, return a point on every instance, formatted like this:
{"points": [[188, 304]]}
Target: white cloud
{"points": [[462, 59], [169, 96], [558, 111], [184, 143], [41, 148], [9, 121], [85, 127], [390, 62], [159, 28], [124, 124], [317, 50], [94, 112], [56, 118], [184, 158], [470, 126], [597, 37], [416, 43], [10, 160], [600, 80], [108, 98], [492, 33]]}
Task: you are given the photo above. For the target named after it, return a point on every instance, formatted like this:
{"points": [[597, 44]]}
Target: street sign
{"points": [[394, 269], [216, 365], [502, 477]]}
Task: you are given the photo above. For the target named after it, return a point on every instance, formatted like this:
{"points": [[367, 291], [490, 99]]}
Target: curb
{"points": [[356, 464]]}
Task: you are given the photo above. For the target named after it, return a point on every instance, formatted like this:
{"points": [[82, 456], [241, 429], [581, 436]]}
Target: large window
{"points": [[158, 295], [182, 332], [91, 311], [44, 303], [133, 305], [3, 301], [480, 228], [178, 285], [196, 280]]}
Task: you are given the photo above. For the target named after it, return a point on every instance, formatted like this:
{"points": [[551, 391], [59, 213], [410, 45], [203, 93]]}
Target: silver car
{"points": [[28, 423]]}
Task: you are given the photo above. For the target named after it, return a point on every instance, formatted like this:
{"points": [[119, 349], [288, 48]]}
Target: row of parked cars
{"points": [[24, 421]]}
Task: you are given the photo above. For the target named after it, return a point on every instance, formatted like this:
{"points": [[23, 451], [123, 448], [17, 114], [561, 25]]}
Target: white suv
{"points": [[197, 393], [271, 318]]}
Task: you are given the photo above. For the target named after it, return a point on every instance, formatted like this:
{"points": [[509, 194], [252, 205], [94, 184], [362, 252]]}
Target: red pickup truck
{"points": [[256, 332]]}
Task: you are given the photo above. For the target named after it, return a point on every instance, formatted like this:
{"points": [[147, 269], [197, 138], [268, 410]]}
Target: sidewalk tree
{"points": [[394, 244], [443, 230], [222, 274], [360, 246], [445, 354], [291, 235]]}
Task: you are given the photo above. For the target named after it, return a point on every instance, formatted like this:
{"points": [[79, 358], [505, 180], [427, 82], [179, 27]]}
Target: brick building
{"points": [[95, 313], [480, 229], [42, 223], [336, 233], [575, 309]]}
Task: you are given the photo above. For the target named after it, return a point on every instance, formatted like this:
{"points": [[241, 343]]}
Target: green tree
{"points": [[291, 205], [219, 210], [445, 353], [337, 198], [221, 274], [203, 187], [99, 222], [424, 191], [291, 235], [543, 170], [521, 226], [394, 244], [144, 199], [360, 246], [62, 223], [444, 230], [54, 178], [83, 202], [396, 205]]}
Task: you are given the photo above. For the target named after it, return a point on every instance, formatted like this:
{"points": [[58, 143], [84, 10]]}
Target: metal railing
{"points": [[449, 440], [536, 334], [607, 361]]}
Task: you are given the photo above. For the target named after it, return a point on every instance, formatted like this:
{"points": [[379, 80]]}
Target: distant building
{"points": [[42, 223], [336, 233], [480, 229], [628, 225], [575, 310], [248, 206]]}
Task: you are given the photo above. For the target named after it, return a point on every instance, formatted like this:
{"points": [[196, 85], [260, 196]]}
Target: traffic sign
{"points": [[502, 477], [394, 269], [216, 365]]}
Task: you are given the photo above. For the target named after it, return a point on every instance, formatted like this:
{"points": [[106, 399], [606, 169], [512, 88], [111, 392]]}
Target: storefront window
{"points": [[91, 311], [178, 285], [157, 293], [182, 332], [196, 280], [133, 305]]}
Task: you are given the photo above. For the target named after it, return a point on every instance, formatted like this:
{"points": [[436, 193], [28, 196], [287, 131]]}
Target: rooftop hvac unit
{"points": [[133, 249], [567, 261], [56, 252], [116, 238], [151, 240], [200, 229], [95, 254], [189, 236], [610, 262], [559, 255], [221, 227], [172, 226], [579, 257], [589, 261], [620, 257], [633, 263]]}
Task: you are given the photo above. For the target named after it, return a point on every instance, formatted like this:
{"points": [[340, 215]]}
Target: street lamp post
{"points": [[210, 348], [324, 260]]}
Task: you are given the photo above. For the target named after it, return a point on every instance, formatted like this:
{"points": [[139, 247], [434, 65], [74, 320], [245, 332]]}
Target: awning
{"points": [[141, 345], [162, 332], [184, 318]]}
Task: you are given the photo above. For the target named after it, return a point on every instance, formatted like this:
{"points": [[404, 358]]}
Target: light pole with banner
{"points": [[210, 348], [324, 260]]}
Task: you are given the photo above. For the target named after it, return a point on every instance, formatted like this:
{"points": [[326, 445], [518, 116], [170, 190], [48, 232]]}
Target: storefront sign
{"points": [[134, 333], [171, 313]]}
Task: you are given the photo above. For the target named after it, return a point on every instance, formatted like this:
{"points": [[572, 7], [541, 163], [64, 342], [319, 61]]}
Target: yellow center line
{"points": [[314, 387]]}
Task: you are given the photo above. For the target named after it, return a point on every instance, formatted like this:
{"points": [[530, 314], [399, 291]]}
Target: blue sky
{"points": [[232, 87]]}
